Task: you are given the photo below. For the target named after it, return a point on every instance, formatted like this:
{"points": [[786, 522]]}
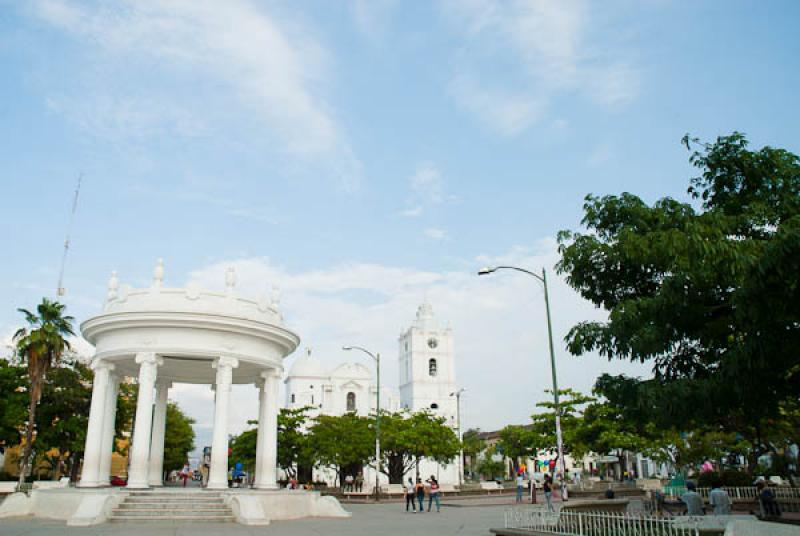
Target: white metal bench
{"points": [[491, 486]]}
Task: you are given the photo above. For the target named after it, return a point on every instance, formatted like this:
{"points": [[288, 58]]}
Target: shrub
{"points": [[730, 478]]}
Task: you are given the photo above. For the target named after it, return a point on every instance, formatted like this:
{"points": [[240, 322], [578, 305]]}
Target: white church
{"points": [[426, 380]]}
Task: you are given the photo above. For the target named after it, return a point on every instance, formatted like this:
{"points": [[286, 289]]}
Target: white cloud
{"points": [[426, 183], [602, 154], [268, 65], [435, 233], [427, 189], [372, 16], [503, 111], [498, 322], [540, 49], [412, 212]]}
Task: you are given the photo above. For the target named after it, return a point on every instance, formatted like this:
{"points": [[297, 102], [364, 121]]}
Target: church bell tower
{"points": [[426, 367]]}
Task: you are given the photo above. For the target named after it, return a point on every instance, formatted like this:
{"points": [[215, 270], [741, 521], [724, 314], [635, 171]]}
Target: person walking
{"points": [[718, 499], [547, 487], [433, 495], [359, 483], [410, 495], [420, 490], [693, 501], [185, 474], [520, 487], [766, 497]]}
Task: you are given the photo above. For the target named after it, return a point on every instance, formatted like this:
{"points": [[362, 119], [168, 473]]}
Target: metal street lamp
{"points": [[377, 358], [559, 441], [457, 394]]}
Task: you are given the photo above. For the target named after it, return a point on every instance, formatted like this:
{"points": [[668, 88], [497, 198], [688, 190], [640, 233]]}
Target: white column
{"points": [[109, 429], [156, 472], [218, 473], [267, 445], [92, 452], [140, 451], [262, 419]]}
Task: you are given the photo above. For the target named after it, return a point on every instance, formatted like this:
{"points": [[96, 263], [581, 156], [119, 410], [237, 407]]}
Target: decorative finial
{"points": [[275, 297], [158, 273], [230, 278], [113, 285]]}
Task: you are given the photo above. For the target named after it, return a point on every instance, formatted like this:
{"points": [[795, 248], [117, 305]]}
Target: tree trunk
{"points": [[73, 470], [395, 468], [26, 451]]}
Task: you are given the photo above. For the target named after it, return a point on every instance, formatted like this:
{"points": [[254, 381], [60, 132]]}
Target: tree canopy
{"points": [[341, 441], [39, 346], [706, 290], [407, 438], [179, 438]]}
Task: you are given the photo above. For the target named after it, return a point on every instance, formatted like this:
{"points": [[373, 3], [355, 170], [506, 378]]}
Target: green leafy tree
{"points": [[243, 448], [293, 445], [341, 441], [543, 429], [40, 346], [705, 290], [489, 464], [179, 439], [125, 416], [13, 406], [472, 445], [63, 414], [517, 442], [408, 438]]}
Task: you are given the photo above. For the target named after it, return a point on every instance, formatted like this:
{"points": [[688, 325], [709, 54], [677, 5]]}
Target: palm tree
{"points": [[40, 346]]}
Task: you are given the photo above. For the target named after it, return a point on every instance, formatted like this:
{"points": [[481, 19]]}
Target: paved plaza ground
{"points": [[383, 519]]}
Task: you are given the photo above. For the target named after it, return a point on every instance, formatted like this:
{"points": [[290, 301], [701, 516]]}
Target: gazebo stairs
{"points": [[165, 506]]}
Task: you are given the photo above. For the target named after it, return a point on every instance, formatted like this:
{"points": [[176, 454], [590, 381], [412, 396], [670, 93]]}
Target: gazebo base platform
{"points": [[93, 506]]}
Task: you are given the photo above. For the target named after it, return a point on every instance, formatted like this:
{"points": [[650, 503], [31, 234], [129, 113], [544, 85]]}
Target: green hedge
{"points": [[730, 478]]}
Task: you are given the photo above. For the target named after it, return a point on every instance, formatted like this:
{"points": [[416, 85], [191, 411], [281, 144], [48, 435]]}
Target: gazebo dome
{"points": [[189, 328]]}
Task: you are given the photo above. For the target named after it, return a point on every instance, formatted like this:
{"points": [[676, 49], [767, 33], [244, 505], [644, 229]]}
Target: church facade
{"points": [[426, 381]]}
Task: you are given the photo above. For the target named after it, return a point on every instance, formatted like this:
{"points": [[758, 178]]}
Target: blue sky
{"points": [[366, 155]]}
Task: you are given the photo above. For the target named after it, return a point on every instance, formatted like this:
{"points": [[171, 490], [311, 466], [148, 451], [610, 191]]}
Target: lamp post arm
{"points": [[523, 270]]}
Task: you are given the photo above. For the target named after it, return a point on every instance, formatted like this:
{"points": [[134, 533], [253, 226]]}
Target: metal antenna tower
{"points": [[60, 289]]}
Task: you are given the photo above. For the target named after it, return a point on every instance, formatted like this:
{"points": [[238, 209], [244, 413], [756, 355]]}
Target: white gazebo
{"points": [[165, 335]]}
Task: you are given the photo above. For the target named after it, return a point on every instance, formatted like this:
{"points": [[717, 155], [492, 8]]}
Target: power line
{"points": [[60, 290]]}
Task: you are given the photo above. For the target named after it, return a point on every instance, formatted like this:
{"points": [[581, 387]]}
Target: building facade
{"points": [[426, 382]]}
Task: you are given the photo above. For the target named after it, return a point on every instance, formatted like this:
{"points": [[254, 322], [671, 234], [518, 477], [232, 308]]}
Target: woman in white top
{"points": [[411, 495]]}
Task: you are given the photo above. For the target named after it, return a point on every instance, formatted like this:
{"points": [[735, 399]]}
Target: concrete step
{"points": [[174, 519], [187, 507], [199, 500], [172, 494], [169, 513], [170, 506]]}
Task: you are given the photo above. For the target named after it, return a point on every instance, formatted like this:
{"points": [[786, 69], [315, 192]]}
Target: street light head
{"points": [[347, 347], [486, 270]]}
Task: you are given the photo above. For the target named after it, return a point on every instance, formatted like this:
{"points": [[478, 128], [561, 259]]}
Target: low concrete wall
{"points": [[255, 507], [79, 507]]}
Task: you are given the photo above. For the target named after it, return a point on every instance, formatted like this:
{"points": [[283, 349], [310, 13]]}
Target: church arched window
{"points": [[432, 367], [434, 406], [351, 401], [292, 398]]}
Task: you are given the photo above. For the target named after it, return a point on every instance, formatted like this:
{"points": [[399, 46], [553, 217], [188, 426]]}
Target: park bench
{"points": [[394, 489], [489, 487]]}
